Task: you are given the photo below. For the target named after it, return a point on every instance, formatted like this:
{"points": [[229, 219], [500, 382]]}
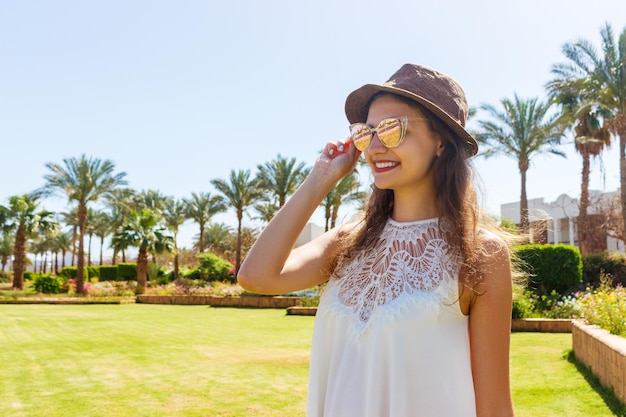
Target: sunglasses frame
{"points": [[404, 121]]}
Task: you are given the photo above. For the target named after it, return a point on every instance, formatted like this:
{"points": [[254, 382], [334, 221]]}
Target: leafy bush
{"points": [[48, 284], [69, 272], [551, 267], [28, 275], [215, 268], [613, 264], [523, 306], [108, 272], [126, 271], [93, 271], [153, 271]]}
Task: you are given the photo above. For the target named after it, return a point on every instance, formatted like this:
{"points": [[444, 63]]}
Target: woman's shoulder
{"points": [[492, 244]]}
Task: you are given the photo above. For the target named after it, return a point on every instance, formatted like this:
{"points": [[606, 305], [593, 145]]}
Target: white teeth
{"points": [[385, 164]]}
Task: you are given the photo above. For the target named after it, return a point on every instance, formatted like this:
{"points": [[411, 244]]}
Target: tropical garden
{"points": [[64, 252]]}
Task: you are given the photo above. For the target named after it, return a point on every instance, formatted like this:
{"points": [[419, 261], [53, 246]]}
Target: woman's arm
{"points": [[272, 266], [490, 330]]}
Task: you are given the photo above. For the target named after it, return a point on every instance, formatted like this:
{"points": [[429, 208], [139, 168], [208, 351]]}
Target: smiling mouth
{"points": [[385, 165]]}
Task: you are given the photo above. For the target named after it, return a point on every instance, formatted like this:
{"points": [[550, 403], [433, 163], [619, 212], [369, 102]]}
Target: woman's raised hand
{"points": [[338, 159]]}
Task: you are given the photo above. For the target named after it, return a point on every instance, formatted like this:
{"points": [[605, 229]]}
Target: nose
{"points": [[376, 146]]}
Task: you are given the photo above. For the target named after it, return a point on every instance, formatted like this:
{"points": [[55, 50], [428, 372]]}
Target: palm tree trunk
{"points": [[19, 252], [584, 234], [176, 270], [524, 224], [620, 123], [239, 239], [56, 263], [89, 250], [73, 244], [63, 253], [80, 264], [201, 241], [142, 270], [101, 247]]}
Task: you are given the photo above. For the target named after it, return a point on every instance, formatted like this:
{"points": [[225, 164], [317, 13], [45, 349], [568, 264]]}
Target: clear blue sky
{"points": [[177, 93]]}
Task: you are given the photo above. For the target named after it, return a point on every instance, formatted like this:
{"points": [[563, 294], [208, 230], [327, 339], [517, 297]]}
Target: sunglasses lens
{"points": [[361, 136], [390, 132]]}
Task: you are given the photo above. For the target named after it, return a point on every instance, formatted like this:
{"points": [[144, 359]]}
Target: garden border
{"points": [[604, 353], [215, 301]]}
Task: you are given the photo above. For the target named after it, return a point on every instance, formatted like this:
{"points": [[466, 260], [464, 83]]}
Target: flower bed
{"points": [[67, 300], [215, 301], [604, 353]]}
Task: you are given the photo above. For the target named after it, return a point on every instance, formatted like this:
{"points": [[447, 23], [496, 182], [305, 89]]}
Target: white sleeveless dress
{"points": [[390, 339]]}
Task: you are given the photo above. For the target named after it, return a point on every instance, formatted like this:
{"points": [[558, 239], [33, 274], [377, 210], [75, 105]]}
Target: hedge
{"points": [[48, 284], [551, 267], [108, 272], [94, 271], [127, 271], [612, 264], [70, 272]]}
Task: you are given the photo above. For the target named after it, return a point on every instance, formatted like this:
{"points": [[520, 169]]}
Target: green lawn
{"points": [[151, 360]]}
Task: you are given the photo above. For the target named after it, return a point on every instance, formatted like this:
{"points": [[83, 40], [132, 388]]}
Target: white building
{"points": [[555, 222]]}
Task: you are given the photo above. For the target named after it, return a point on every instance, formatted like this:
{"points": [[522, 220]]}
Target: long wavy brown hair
{"points": [[456, 202]]}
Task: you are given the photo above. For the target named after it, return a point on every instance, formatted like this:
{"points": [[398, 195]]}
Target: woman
{"points": [[415, 318]]}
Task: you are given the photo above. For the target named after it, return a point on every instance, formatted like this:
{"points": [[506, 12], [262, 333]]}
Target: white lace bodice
{"points": [[410, 261], [390, 339]]}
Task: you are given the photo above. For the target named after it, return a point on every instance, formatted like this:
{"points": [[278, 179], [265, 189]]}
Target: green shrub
{"points": [[153, 271], [108, 272], [93, 271], [48, 284], [551, 267], [215, 268], [29, 275], [523, 306], [613, 264], [194, 274], [69, 272], [127, 271]]}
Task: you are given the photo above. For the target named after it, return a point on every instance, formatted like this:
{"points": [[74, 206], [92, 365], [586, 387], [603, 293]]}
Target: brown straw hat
{"points": [[436, 91]]}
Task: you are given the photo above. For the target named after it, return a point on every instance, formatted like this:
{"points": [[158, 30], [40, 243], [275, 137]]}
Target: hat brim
{"points": [[357, 109]]}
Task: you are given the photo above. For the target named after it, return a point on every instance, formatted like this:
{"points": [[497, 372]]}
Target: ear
{"points": [[440, 147]]}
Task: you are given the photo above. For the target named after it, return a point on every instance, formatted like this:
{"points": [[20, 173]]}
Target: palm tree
{"points": [[521, 130], [266, 211], [600, 81], [281, 177], [591, 137], [25, 219], [201, 208], [90, 230], [7, 242], [121, 201], [70, 218], [241, 192], [345, 191], [102, 226], [84, 180], [63, 243], [174, 216], [143, 231], [216, 237], [152, 199]]}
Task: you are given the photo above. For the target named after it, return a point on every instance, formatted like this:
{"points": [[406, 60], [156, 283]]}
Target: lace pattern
{"points": [[410, 263]]}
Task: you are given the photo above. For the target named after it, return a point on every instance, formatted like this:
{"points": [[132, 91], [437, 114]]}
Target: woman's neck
{"points": [[414, 206]]}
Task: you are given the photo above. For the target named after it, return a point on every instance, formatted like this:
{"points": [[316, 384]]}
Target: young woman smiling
{"points": [[415, 317]]}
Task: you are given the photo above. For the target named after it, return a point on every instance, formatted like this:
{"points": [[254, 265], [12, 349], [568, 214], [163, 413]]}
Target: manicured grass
{"points": [[547, 381], [152, 360]]}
